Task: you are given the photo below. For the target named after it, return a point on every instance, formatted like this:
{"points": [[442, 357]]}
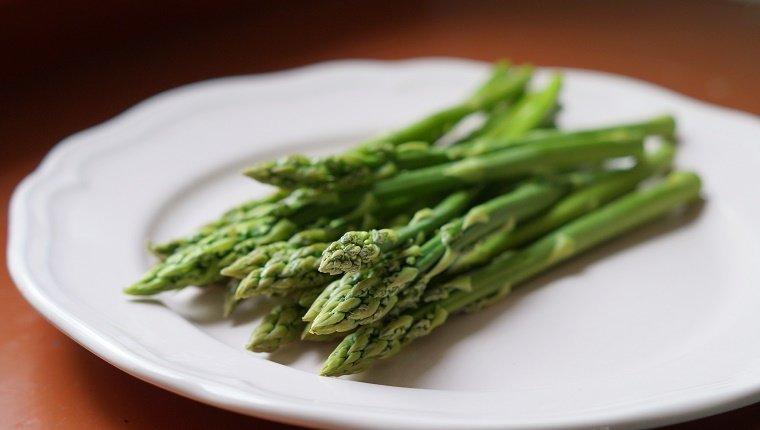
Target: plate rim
{"points": [[102, 345]]}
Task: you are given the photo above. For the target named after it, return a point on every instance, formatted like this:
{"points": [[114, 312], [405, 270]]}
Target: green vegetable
{"points": [[281, 267], [284, 271], [360, 349], [509, 163], [378, 245], [361, 298], [201, 263], [576, 204], [529, 112], [247, 210], [282, 325], [374, 159], [359, 249]]}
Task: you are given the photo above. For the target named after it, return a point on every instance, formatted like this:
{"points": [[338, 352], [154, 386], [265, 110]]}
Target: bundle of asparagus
{"points": [[376, 246]]}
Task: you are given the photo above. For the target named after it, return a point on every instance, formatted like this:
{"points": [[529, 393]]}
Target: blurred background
{"points": [[71, 64]]}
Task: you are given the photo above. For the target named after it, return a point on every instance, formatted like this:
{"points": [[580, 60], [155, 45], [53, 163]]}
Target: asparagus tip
{"points": [[354, 251]]}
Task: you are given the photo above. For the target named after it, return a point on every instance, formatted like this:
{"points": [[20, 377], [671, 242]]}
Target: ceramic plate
{"points": [[658, 327]]}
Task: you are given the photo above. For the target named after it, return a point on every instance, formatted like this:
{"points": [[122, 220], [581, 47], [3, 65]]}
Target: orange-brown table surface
{"points": [[70, 65]]}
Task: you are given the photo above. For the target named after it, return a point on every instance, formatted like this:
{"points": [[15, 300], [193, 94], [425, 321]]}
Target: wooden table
{"points": [[71, 66]]}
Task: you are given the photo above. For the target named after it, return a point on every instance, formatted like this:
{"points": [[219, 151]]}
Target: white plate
{"points": [[663, 329]]}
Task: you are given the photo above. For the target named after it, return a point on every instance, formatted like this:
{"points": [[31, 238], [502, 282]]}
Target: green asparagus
{"points": [[285, 271], [373, 160], [242, 212], [359, 249], [360, 349], [378, 245], [361, 298], [276, 268], [283, 323], [529, 112], [576, 204], [509, 163], [201, 263]]}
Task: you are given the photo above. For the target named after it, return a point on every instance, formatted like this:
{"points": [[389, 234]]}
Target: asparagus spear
{"points": [[663, 125], [317, 235], [576, 204], [360, 349], [280, 327], [536, 109], [200, 263], [241, 267], [503, 85], [241, 212], [372, 160], [509, 163], [278, 204], [414, 156], [364, 297], [529, 112], [281, 266], [427, 218], [359, 249], [297, 268], [356, 250], [285, 271], [282, 324]]}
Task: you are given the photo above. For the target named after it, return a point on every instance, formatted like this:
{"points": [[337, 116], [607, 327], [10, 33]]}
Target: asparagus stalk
{"points": [[663, 125], [284, 271], [200, 263], [416, 155], [360, 349], [503, 85], [529, 112], [357, 250], [244, 211], [282, 324], [364, 297], [360, 249], [280, 202], [241, 267], [230, 303], [317, 235], [259, 212], [509, 163], [373, 160], [576, 204], [297, 276], [282, 266]]}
